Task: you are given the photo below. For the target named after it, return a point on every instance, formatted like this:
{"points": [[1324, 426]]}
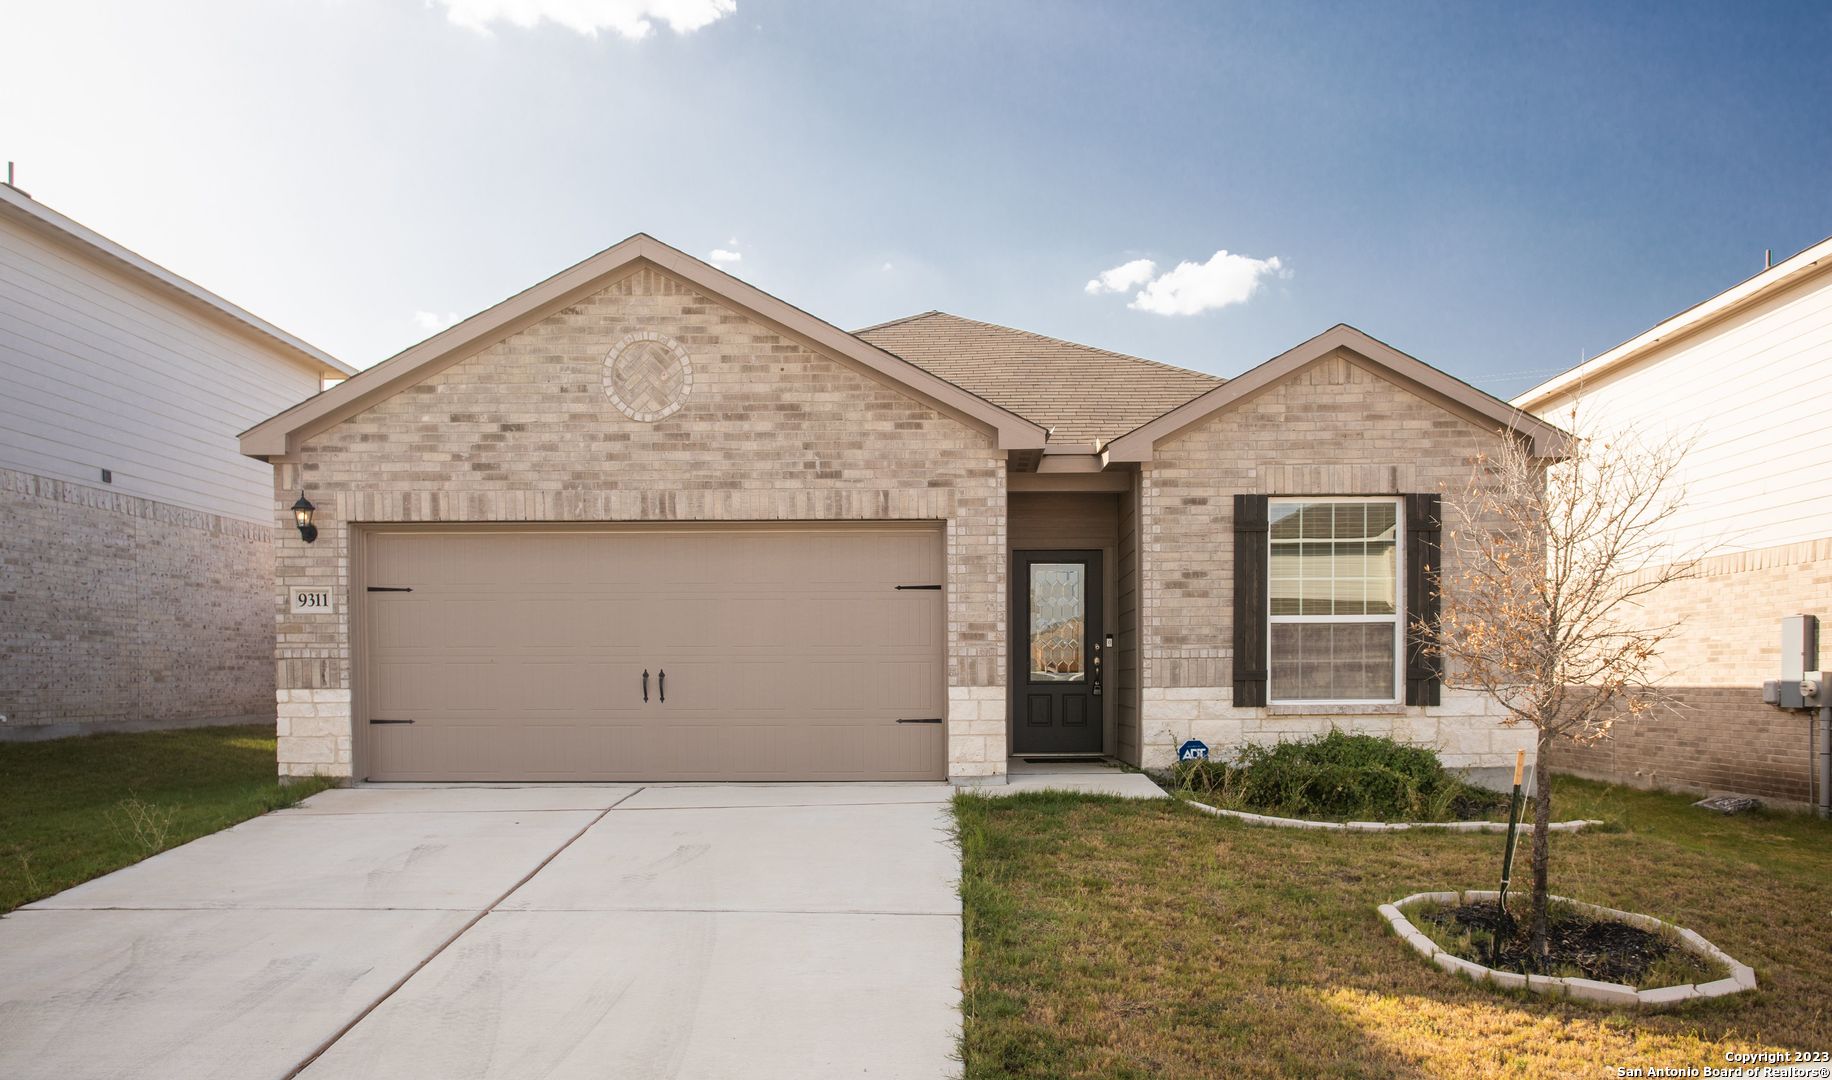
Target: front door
{"points": [[1056, 652]]}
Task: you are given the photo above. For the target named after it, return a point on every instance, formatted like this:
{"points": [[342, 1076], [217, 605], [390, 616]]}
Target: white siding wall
{"points": [[1755, 390], [100, 372]]}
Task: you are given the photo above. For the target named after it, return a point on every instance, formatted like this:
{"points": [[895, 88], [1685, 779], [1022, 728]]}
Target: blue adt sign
{"points": [[1194, 750]]}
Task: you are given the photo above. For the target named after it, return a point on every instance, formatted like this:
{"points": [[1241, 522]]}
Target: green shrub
{"points": [[1339, 776]]}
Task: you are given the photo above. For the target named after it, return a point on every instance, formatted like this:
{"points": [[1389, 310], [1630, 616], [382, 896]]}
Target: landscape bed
{"points": [[1581, 944], [1134, 938], [1337, 778], [1597, 954]]}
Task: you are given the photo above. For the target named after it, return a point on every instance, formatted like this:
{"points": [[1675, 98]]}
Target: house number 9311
{"points": [[311, 601]]}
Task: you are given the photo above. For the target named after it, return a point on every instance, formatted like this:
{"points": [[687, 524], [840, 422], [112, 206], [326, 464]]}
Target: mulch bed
{"points": [[1598, 948]]}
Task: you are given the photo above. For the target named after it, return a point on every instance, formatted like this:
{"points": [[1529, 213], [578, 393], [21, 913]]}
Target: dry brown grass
{"points": [[1140, 939]]}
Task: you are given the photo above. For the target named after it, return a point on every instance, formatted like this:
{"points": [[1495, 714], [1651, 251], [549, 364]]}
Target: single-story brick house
{"points": [[645, 521]]}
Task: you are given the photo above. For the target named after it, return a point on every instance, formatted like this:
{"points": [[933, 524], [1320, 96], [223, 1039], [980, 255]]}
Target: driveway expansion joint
{"points": [[448, 943], [676, 910], [780, 806]]}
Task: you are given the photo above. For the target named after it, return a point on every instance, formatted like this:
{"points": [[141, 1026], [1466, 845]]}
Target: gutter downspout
{"points": [[1824, 724]]}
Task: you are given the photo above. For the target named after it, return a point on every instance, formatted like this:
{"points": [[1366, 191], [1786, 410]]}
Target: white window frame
{"points": [[1398, 618]]}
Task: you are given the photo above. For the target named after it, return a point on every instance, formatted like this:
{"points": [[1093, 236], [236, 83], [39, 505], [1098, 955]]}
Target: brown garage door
{"points": [[519, 653]]}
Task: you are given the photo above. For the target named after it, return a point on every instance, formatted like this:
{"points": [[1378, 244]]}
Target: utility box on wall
{"points": [[1801, 685], [1799, 646]]}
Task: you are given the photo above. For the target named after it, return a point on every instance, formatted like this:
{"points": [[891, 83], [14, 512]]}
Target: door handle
{"points": [[662, 682], [645, 686]]}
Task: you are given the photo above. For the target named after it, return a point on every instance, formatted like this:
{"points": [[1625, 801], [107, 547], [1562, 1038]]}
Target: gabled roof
{"points": [[280, 435], [1782, 275], [1137, 445], [16, 205], [1082, 394]]}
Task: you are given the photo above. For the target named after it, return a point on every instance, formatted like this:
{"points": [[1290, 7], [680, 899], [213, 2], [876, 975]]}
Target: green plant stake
{"points": [[1507, 854]]}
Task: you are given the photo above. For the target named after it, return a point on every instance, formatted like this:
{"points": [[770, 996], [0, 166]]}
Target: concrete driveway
{"points": [[709, 931]]}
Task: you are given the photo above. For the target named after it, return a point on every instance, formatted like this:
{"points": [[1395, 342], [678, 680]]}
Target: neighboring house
{"points": [[644, 521], [1743, 375], [136, 543]]}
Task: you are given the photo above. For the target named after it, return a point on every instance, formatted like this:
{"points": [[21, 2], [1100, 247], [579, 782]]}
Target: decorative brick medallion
{"points": [[648, 376]]}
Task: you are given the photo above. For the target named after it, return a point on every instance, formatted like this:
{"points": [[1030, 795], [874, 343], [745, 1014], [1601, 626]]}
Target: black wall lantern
{"points": [[302, 517]]}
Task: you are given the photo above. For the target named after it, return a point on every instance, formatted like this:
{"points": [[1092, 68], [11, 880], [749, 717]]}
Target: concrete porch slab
{"points": [[465, 798], [446, 861], [1087, 778], [194, 995], [676, 796], [688, 995], [888, 858]]}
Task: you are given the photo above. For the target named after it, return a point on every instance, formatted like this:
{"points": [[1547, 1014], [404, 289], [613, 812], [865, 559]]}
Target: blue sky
{"points": [[1499, 190]]}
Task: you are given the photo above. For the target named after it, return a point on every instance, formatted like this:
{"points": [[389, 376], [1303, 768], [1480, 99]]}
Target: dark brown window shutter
{"points": [[1424, 538], [1250, 611]]}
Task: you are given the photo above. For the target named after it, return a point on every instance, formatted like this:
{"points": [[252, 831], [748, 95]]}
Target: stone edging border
{"points": [[1742, 976], [1384, 826]]}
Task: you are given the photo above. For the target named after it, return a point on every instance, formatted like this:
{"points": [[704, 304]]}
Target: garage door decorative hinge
{"points": [[900, 588], [373, 720], [922, 720], [389, 588]]}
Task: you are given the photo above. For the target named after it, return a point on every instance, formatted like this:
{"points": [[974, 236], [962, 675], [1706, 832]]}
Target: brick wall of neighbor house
{"points": [[1333, 428], [122, 613], [1720, 737], [523, 431]]}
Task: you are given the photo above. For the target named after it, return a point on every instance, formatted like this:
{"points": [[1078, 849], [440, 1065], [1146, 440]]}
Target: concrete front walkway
{"points": [[708, 931], [1082, 778]]}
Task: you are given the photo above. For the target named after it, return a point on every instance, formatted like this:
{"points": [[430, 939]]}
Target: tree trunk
{"points": [[1540, 941]]}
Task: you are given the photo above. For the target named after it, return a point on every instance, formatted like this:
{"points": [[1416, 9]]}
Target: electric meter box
{"points": [[1802, 684], [1799, 646]]}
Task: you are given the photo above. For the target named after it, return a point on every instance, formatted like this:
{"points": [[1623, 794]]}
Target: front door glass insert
{"points": [[1058, 603]]}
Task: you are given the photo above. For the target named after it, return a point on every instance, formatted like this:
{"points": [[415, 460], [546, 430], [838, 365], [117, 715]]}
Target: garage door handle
{"points": [[922, 720], [645, 686], [936, 588], [373, 720], [662, 685]]}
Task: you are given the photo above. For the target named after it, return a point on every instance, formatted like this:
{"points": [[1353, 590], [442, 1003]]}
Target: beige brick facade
{"points": [[524, 431], [1336, 427], [1720, 737], [123, 613]]}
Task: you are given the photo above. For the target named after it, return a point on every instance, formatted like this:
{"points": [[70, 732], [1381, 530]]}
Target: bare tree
{"points": [[1547, 565]]}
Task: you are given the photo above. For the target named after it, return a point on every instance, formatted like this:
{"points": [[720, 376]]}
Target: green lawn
{"points": [[73, 809], [1118, 939]]}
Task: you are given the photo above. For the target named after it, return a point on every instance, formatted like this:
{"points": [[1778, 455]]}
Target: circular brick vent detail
{"points": [[648, 376]]}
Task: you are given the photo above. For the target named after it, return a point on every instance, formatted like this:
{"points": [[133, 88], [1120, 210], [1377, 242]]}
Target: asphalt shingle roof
{"points": [[1082, 393]]}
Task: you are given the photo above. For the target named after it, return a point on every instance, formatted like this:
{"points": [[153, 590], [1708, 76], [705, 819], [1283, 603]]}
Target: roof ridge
{"points": [[278, 434], [1074, 345], [66, 230], [1775, 276], [897, 322]]}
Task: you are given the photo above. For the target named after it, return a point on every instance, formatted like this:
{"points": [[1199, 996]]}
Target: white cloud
{"points": [[632, 19], [887, 268], [724, 257], [1192, 288], [432, 322], [1122, 278]]}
